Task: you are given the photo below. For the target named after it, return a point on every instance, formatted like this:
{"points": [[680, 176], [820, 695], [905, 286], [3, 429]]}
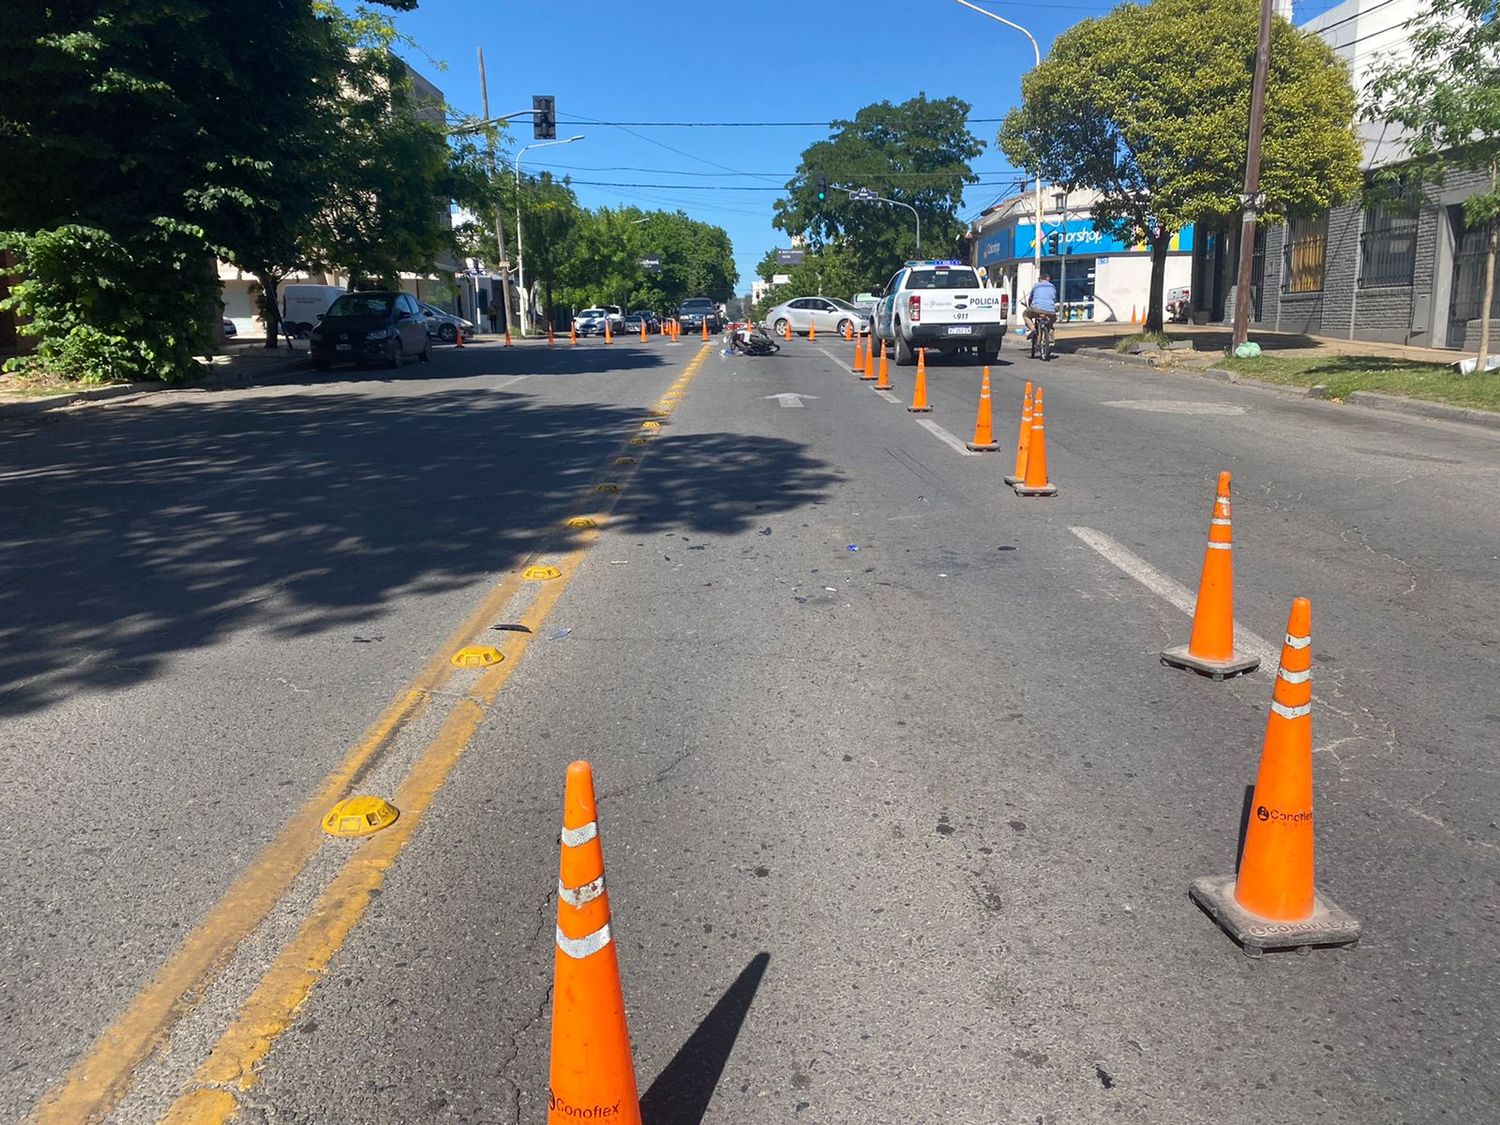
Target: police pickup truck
{"points": [[940, 306]]}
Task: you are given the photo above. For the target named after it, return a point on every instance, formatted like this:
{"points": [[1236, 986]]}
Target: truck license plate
{"points": [[960, 330]]}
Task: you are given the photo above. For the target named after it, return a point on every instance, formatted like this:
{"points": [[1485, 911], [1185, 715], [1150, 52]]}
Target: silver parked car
{"points": [[445, 325], [826, 314]]}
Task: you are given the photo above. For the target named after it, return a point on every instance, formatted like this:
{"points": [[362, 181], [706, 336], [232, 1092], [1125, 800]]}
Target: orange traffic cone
{"points": [[984, 424], [1036, 482], [609, 337], [919, 403], [1023, 440], [812, 330], [458, 336], [1133, 318], [705, 330], [643, 333], [869, 372], [592, 1075], [507, 338], [573, 334], [848, 332], [551, 339], [1272, 903], [1210, 647], [885, 376], [884, 382], [859, 353]]}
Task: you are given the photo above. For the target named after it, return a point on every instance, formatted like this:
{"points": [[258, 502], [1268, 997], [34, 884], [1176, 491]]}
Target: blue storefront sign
{"points": [[1079, 237]]}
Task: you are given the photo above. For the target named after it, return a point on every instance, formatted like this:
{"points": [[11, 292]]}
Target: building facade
{"points": [[1099, 277], [1395, 272]]}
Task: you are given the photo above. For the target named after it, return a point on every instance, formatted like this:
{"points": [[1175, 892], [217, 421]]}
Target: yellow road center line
{"points": [[101, 1077]]}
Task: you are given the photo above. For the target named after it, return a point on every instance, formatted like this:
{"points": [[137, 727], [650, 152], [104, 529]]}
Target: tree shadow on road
{"points": [[133, 534], [682, 1091]]}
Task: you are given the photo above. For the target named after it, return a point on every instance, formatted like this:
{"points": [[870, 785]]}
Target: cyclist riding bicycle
{"points": [[1042, 302]]}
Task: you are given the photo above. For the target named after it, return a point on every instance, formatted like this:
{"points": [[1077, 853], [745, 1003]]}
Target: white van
{"points": [[302, 305]]}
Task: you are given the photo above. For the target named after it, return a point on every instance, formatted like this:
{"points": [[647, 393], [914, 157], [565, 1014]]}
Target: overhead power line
{"points": [[728, 187], [720, 175], [731, 124]]}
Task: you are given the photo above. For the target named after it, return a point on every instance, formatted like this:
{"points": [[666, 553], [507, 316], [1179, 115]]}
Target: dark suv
{"points": [[696, 311], [375, 326]]}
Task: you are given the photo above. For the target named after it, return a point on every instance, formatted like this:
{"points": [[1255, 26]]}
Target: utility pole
{"points": [[1251, 200], [484, 96]]}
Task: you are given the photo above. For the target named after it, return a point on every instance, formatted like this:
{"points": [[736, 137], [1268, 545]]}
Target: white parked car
{"points": [[302, 306], [826, 314]]}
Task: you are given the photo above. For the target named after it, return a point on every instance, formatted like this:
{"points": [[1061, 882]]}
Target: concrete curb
{"points": [[1370, 400]]}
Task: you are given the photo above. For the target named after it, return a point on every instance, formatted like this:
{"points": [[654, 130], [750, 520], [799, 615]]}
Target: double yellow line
{"points": [[98, 1082]]}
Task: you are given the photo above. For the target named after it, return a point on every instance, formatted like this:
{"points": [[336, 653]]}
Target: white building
{"points": [[1099, 277]]}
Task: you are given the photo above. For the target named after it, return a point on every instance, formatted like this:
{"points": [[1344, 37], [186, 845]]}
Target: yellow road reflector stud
{"points": [[360, 816], [624, 460], [640, 441], [583, 523], [607, 486], [661, 412], [477, 656], [650, 425], [541, 573]]}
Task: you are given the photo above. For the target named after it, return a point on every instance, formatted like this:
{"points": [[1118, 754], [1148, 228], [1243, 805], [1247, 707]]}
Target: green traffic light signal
{"points": [[822, 188]]}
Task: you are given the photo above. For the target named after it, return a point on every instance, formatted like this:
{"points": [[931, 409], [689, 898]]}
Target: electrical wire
{"points": [[573, 120], [726, 187]]}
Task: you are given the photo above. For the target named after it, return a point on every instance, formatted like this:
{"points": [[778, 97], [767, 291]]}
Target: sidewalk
{"points": [[1213, 340]]}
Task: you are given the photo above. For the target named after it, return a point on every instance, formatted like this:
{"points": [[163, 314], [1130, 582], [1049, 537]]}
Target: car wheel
{"points": [[846, 327], [448, 333], [397, 355], [780, 327], [905, 357]]}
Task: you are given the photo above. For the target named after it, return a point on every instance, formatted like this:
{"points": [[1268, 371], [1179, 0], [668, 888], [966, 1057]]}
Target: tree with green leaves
{"points": [[1446, 98], [1150, 105], [917, 152]]}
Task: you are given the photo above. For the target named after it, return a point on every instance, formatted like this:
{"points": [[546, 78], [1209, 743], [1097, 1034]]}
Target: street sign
{"points": [[790, 257], [863, 195], [651, 262]]}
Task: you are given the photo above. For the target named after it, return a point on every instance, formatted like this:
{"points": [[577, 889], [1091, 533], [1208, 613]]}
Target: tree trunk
{"points": [[270, 307], [547, 289], [1159, 245]]}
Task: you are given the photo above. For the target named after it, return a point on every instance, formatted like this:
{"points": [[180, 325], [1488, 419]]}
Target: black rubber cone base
{"points": [[1022, 489], [1236, 665], [1328, 924], [978, 447]]}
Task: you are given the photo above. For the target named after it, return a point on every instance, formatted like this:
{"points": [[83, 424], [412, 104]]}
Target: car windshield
{"points": [[360, 304], [641, 312], [695, 305], [842, 303], [942, 279], [592, 312]]}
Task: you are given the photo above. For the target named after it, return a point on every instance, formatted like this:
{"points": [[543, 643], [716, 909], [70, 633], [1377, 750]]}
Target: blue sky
{"points": [[774, 61]]}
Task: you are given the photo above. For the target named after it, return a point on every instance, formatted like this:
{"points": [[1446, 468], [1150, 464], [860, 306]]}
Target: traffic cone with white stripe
{"points": [[1210, 647], [984, 422], [859, 353], [884, 382], [919, 403], [592, 1073], [869, 373], [1035, 482], [1272, 902], [1024, 439]]}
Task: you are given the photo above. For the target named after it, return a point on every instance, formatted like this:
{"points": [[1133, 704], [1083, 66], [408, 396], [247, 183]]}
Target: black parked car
{"points": [[376, 326], [634, 321]]}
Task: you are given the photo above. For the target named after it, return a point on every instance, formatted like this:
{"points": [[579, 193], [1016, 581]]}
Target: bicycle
{"points": [[1042, 334]]}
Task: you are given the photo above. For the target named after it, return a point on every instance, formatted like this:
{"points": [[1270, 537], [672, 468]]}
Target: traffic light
{"points": [[822, 188], [543, 117]]}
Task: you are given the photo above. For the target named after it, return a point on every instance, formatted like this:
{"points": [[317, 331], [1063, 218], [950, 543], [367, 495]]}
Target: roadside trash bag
{"points": [[1248, 350]]}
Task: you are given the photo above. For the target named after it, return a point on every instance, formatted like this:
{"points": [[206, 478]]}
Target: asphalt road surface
{"points": [[898, 805]]}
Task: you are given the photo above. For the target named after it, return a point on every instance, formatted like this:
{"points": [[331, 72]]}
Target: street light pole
{"points": [[863, 195], [521, 257], [484, 96], [1037, 266], [1252, 197]]}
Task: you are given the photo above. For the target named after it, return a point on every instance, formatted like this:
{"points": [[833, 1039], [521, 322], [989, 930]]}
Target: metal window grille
{"points": [[1388, 247], [1307, 251]]}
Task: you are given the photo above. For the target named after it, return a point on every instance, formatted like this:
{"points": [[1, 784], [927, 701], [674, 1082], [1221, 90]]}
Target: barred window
{"points": [[1388, 247], [1306, 251]]}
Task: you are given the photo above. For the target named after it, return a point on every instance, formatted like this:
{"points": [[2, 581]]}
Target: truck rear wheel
{"points": [[905, 357]]}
